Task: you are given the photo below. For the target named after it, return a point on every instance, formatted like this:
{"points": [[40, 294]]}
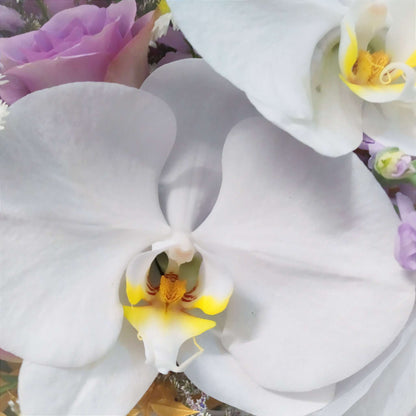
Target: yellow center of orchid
{"points": [[161, 305], [368, 67], [374, 76], [171, 289]]}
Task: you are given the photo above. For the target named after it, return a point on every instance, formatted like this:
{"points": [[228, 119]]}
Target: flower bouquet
{"points": [[208, 207]]}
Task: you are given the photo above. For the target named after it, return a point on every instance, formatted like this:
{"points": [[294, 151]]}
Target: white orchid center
{"points": [[367, 67], [161, 303]]}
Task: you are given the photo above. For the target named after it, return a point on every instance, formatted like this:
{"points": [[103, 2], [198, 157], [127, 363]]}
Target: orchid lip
{"points": [[161, 305]]}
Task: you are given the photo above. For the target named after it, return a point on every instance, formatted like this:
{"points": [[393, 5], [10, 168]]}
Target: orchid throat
{"points": [[366, 67], [162, 306]]}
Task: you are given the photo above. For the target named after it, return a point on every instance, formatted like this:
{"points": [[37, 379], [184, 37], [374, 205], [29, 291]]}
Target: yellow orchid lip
{"points": [[163, 331], [375, 93]]}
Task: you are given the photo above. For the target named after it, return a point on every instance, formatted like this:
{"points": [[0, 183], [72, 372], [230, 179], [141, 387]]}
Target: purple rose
{"points": [[76, 44], [405, 249], [52, 6], [55, 6]]}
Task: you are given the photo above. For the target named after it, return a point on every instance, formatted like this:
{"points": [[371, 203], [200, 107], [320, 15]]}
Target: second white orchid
{"points": [[325, 71]]}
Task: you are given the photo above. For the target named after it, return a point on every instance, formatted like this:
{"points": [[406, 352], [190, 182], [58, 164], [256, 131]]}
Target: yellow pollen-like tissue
{"points": [[163, 7], [171, 288], [368, 67]]}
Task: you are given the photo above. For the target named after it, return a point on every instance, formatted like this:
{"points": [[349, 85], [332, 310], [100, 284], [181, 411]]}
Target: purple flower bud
{"points": [[392, 163], [10, 20]]}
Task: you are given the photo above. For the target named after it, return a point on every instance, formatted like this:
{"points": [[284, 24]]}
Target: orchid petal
{"points": [[348, 50], [66, 230], [392, 124], [395, 392], [64, 166], [313, 281], [336, 127], [59, 285], [136, 275], [376, 383], [401, 36], [109, 386], [271, 62], [214, 287], [191, 179], [219, 375], [358, 27]]}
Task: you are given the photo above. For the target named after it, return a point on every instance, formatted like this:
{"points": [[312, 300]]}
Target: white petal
{"points": [[215, 284], [392, 124], [59, 289], [378, 383], [401, 36], [74, 181], [206, 107], [219, 375], [264, 48], [313, 266], [90, 153], [110, 386], [335, 128], [136, 275]]}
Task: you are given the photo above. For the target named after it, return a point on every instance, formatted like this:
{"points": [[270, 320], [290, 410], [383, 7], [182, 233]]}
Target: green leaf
{"points": [[9, 379], [8, 386]]}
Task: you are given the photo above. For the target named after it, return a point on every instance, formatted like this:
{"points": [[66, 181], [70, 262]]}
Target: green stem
{"points": [[44, 9]]}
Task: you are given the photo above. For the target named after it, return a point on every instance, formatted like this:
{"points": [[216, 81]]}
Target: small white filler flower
{"points": [[4, 112]]}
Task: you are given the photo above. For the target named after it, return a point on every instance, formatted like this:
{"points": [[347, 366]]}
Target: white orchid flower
{"points": [[322, 70], [387, 386], [94, 186]]}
